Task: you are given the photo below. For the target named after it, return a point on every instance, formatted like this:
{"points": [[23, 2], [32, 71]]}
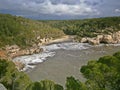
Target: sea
{"points": [[61, 60]]}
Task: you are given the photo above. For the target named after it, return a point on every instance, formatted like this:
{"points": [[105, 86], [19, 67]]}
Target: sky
{"points": [[60, 9]]}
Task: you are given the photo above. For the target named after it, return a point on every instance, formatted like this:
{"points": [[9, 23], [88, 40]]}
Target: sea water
{"points": [[62, 60]]}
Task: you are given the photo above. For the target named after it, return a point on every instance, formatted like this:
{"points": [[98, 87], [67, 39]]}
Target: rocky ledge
{"points": [[15, 51], [112, 38]]}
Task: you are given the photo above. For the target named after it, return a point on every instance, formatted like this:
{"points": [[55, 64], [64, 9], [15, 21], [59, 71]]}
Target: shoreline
{"points": [[62, 39], [66, 38], [59, 40], [36, 50]]}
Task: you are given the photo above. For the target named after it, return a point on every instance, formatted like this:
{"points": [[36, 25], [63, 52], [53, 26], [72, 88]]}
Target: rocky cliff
{"points": [[112, 38]]}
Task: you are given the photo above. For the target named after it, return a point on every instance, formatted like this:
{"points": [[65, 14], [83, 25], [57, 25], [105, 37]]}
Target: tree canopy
{"points": [[101, 74]]}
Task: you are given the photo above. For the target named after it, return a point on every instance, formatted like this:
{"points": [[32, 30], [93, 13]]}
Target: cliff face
{"points": [[112, 38]]}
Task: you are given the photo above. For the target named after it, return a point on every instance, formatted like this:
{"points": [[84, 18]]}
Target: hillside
{"points": [[24, 32], [87, 27]]}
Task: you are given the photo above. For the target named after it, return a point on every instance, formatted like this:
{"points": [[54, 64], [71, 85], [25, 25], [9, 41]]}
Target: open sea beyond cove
{"points": [[61, 60]]}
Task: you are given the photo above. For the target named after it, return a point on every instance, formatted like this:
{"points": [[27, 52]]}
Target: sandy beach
{"points": [[60, 39]]}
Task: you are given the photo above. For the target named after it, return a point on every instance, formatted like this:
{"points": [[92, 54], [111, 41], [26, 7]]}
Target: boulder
{"points": [[99, 37], [94, 41], [38, 50], [12, 48], [112, 38], [84, 40], [19, 65], [107, 39], [116, 37]]}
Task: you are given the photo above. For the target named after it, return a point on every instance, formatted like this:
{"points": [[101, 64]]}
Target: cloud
{"points": [[61, 8], [117, 10], [58, 7], [93, 2]]}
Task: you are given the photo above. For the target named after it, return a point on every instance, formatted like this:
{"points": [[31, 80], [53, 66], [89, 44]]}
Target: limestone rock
{"points": [[19, 65], [12, 48], [94, 41], [107, 39], [84, 40], [116, 37], [99, 37]]}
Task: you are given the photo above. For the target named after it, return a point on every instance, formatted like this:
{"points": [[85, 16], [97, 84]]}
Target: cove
{"points": [[61, 60]]}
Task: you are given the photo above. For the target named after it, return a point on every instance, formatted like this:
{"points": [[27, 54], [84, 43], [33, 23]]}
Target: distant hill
{"points": [[87, 27]]}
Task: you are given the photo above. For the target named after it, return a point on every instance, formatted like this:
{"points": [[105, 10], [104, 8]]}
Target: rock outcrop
{"points": [[107, 39], [116, 36], [93, 41], [112, 38], [84, 40], [19, 65], [14, 51]]}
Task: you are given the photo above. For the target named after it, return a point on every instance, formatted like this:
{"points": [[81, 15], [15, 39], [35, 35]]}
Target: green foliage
{"points": [[24, 32], [88, 27], [58, 87], [103, 74], [47, 85], [73, 84], [34, 86], [3, 69], [108, 60], [44, 85], [12, 78], [117, 55]]}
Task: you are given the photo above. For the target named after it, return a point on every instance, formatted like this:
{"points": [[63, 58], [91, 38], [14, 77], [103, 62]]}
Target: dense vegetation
{"points": [[23, 32], [11, 78], [101, 74], [88, 27]]}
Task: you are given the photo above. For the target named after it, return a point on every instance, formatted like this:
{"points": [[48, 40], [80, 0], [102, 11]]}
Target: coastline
{"points": [[59, 40], [42, 55], [35, 50]]}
